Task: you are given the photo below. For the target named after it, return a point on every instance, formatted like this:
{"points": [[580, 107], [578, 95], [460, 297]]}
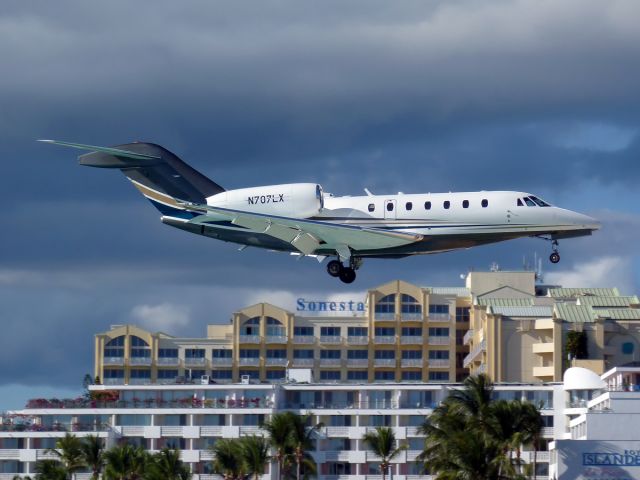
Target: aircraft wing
{"points": [[307, 236]]}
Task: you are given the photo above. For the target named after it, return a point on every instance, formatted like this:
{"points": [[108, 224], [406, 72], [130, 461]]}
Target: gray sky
{"points": [[530, 95]]}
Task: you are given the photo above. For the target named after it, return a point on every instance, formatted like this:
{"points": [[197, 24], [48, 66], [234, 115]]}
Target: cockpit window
{"points": [[520, 204], [529, 202], [540, 203]]}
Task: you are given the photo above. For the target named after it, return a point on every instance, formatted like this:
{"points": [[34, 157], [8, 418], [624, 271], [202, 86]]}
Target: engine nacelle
{"points": [[297, 200]]}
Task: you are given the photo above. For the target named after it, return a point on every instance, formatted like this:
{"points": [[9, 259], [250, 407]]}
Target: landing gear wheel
{"points": [[554, 257], [334, 267], [347, 275]]}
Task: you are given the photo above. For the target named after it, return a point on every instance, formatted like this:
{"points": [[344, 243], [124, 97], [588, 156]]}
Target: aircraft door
{"points": [[390, 209]]}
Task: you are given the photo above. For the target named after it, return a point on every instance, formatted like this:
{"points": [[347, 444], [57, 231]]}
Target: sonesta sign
{"points": [[347, 306]]}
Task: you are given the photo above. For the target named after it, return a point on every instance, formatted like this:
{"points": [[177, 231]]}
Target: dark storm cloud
{"points": [[412, 96]]}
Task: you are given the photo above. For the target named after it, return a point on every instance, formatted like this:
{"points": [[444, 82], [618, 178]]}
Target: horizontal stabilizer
{"points": [[117, 158]]}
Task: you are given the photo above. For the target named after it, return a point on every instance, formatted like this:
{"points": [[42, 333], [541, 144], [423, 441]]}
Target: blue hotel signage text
{"points": [[630, 458], [303, 305]]}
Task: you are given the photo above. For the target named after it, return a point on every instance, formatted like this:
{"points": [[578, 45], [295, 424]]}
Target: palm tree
{"points": [[50, 470], [300, 437], [382, 442], [227, 459], [92, 450], [125, 462], [166, 465], [255, 454], [279, 430], [69, 452]]}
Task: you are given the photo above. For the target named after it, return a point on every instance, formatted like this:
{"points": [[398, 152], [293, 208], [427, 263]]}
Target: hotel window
{"points": [[329, 374], [414, 376], [386, 304], [463, 314], [167, 374], [427, 205], [357, 331], [252, 374], [446, 204], [197, 374], [222, 353], [194, 353], [385, 331], [411, 331], [381, 420], [115, 347], [167, 353], [485, 203], [438, 354], [385, 354], [439, 309], [303, 331], [303, 353], [412, 354], [221, 374], [388, 376], [410, 304], [330, 331], [439, 376], [249, 353], [113, 373], [438, 332], [409, 205], [357, 375], [275, 374], [140, 373], [358, 354], [275, 328], [334, 354], [251, 327], [465, 204], [277, 353], [139, 348]]}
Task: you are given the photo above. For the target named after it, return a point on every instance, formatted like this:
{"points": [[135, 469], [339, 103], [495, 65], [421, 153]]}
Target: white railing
{"points": [[303, 362], [411, 362], [384, 339], [439, 362], [413, 432], [439, 317], [275, 339], [211, 430], [411, 340], [384, 316], [276, 362], [330, 339], [140, 361], [482, 368], [113, 381], [9, 454], [133, 431], [139, 381], [113, 361], [467, 337], [171, 361], [249, 339], [474, 353], [222, 362], [357, 362], [197, 362], [304, 339], [330, 362], [44, 454], [358, 339], [337, 431], [410, 317], [249, 362], [171, 431], [250, 430], [440, 340], [384, 362]]}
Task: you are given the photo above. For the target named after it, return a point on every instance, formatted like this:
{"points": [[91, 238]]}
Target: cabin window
{"points": [[485, 203], [520, 204], [427, 205], [465, 204], [389, 206], [529, 202], [447, 204], [371, 207], [409, 205]]}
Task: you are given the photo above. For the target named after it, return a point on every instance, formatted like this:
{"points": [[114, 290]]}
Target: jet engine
{"points": [[297, 200]]}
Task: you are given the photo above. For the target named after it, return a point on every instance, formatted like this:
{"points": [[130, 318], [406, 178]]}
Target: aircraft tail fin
{"points": [[158, 173]]}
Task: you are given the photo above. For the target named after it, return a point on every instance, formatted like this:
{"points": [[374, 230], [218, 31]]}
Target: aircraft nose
{"points": [[583, 221]]}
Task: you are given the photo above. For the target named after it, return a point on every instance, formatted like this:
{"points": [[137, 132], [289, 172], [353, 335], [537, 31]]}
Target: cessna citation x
{"points": [[303, 219]]}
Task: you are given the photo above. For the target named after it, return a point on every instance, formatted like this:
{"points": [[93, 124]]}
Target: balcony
{"points": [[543, 371], [440, 340], [249, 362], [385, 316], [411, 340], [303, 362], [358, 339], [168, 361], [136, 361], [439, 317], [276, 362], [466, 340], [249, 339], [439, 363], [304, 339], [474, 353], [482, 368], [411, 317], [546, 347], [113, 381], [330, 362], [384, 340], [195, 362], [113, 361], [139, 381], [384, 362], [275, 339], [222, 362], [330, 339], [411, 362], [358, 362]]}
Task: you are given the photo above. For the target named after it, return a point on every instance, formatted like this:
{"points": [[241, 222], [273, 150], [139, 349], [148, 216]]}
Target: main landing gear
{"points": [[555, 256], [346, 274]]}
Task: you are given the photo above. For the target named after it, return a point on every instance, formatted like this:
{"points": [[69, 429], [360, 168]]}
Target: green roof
{"points": [[506, 302], [615, 302], [578, 292], [619, 313], [574, 313]]}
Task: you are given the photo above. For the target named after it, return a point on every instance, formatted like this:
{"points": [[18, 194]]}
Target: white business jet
{"points": [[303, 219]]}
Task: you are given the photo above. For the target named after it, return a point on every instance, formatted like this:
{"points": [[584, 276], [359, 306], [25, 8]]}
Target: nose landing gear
{"points": [[346, 274], [555, 256]]}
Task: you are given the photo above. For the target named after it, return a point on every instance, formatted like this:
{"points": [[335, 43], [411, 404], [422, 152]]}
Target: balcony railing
{"points": [[439, 362], [330, 362], [249, 362], [411, 317], [384, 339], [439, 317], [384, 316], [275, 339], [276, 362], [411, 362], [168, 361], [304, 339], [411, 340], [303, 362], [249, 338], [474, 353], [384, 362], [140, 361], [221, 362], [358, 339], [482, 368], [139, 381], [467, 337], [439, 340], [113, 361], [195, 362], [358, 362], [330, 339]]}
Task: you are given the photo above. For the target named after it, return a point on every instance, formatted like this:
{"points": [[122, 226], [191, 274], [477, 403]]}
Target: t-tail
{"points": [[156, 172]]}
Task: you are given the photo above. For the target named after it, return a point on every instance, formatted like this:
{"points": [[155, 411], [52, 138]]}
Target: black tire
{"points": [[554, 257], [347, 275], [334, 267]]}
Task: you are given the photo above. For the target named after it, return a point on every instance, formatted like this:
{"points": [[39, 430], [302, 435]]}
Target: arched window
{"points": [[114, 347], [410, 305], [274, 327], [386, 305], [627, 348], [251, 326], [139, 348]]}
